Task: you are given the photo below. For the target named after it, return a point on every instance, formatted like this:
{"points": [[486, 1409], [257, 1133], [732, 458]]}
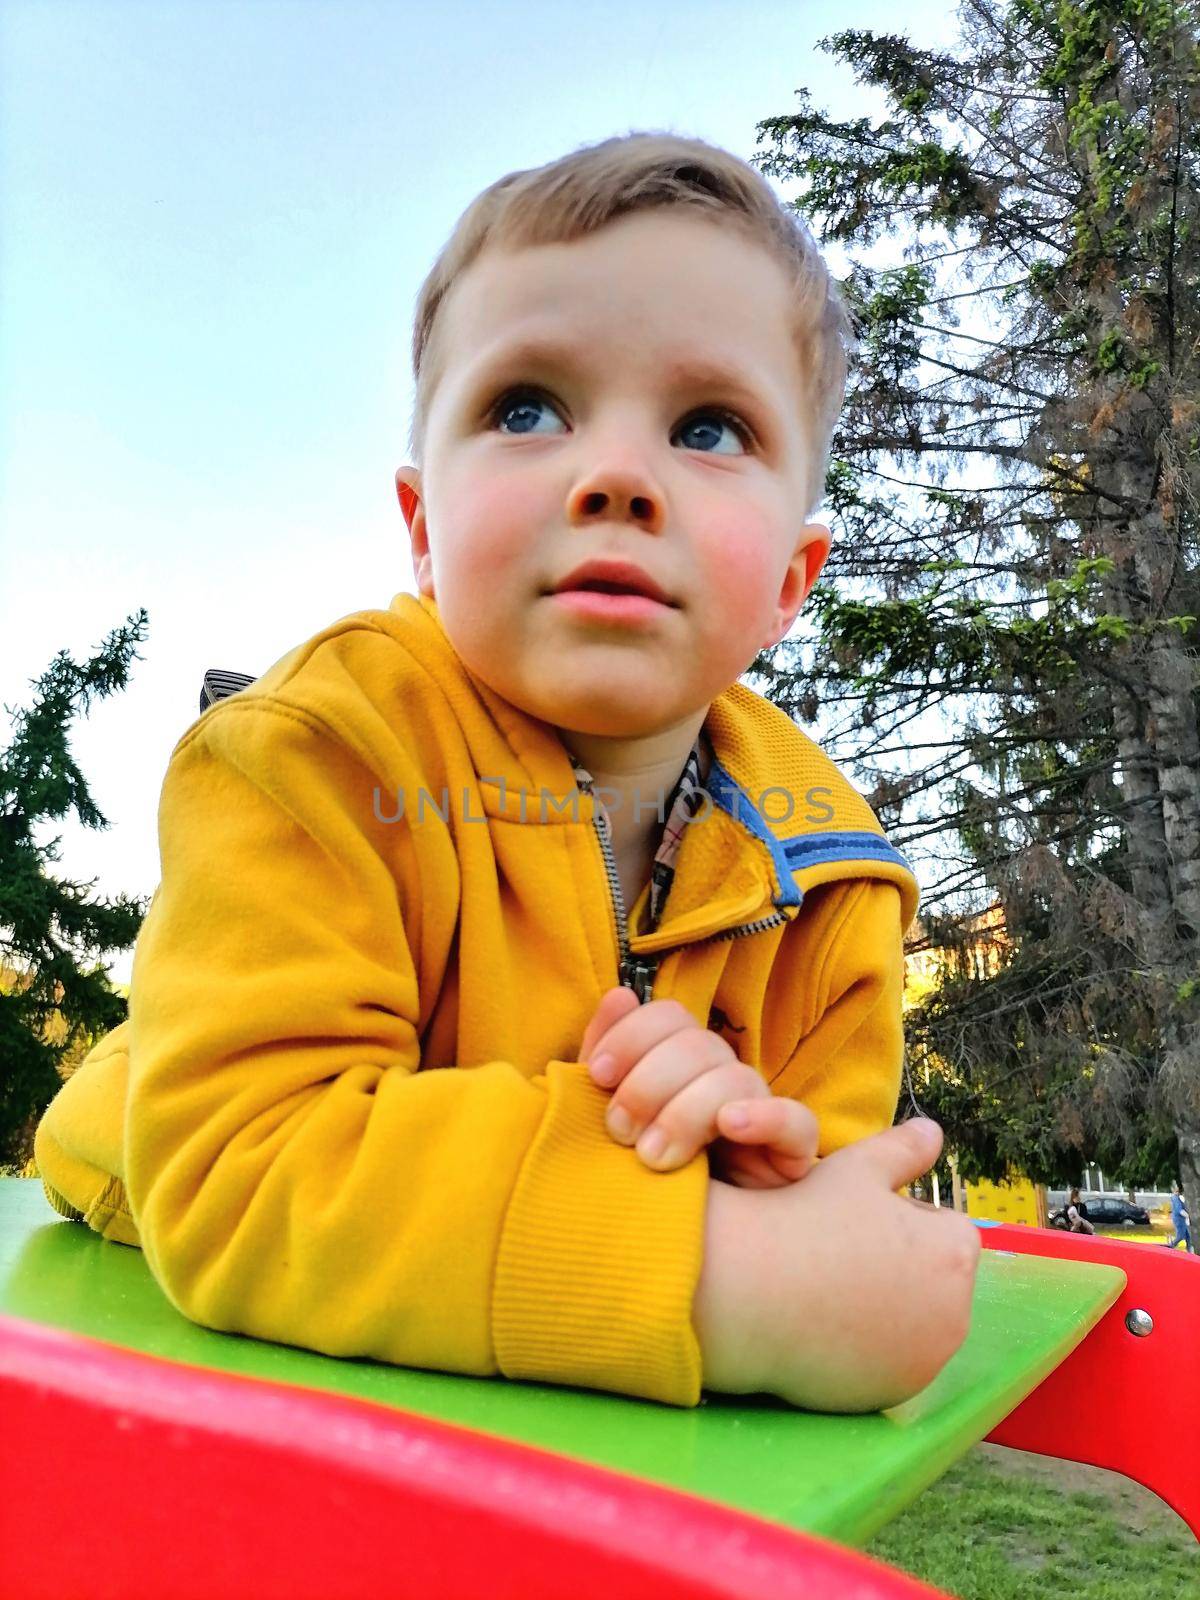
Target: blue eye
{"points": [[713, 422], [525, 404], [521, 403]]}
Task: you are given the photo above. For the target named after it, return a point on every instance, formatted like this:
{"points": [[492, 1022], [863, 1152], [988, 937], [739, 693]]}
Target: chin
{"points": [[606, 720]]}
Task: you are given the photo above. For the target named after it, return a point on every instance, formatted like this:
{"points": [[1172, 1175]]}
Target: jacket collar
{"points": [[782, 817]]}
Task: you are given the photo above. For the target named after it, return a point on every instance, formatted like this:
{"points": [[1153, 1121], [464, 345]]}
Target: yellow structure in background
{"points": [[1021, 1201], [983, 950]]}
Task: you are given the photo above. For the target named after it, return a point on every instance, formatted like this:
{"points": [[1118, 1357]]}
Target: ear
{"points": [[809, 556], [408, 492]]}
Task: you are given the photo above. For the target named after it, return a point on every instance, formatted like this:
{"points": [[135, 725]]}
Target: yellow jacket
{"points": [[274, 1123]]}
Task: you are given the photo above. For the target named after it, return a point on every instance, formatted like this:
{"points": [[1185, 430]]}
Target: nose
{"points": [[616, 491]]}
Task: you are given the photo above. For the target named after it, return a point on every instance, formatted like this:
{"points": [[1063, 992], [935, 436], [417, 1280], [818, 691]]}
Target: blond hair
{"points": [[582, 192]]}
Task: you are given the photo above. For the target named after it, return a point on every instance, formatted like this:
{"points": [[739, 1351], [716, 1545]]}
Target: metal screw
{"points": [[1139, 1322]]}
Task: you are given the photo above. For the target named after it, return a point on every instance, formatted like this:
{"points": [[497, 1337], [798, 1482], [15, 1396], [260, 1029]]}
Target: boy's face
{"points": [[616, 454]]}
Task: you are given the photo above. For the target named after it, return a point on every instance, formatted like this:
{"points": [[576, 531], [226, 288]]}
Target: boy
{"points": [[455, 885]]}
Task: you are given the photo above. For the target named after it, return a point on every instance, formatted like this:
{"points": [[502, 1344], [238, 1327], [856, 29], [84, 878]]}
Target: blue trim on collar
{"points": [[733, 799], [811, 848]]}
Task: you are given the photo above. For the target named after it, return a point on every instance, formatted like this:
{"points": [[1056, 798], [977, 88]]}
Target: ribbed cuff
{"points": [[600, 1258]]}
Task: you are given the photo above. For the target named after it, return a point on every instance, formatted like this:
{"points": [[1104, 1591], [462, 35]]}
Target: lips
{"points": [[613, 577]]}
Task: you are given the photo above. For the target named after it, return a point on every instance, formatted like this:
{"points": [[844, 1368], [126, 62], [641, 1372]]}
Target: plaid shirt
{"points": [[684, 801]]}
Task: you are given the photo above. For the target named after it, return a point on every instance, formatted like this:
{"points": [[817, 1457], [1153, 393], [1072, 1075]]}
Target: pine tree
{"points": [[1006, 632], [54, 1004]]}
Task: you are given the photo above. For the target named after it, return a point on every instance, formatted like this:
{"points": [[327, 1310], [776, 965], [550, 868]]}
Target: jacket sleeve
{"points": [[295, 1176], [848, 1063], [77, 1145]]}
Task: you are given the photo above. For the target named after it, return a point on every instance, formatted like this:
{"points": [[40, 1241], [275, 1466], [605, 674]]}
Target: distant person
{"points": [[1077, 1217], [1181, 1222]]}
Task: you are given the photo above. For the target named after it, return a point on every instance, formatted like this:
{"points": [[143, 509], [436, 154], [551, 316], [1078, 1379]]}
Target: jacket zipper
{"points": [[635, 972], [772, 921], [638, 972]]}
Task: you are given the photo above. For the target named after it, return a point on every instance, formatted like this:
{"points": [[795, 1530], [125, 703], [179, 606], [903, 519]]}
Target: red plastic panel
{"points": [[126, 1475], [1119, 1401]]}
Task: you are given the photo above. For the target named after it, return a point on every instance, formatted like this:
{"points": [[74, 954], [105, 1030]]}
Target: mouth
{"points": [[613, 579], [613, 605]]}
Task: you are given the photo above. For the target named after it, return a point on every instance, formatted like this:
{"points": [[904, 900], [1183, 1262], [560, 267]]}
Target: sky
{"points": [[215, 217]]}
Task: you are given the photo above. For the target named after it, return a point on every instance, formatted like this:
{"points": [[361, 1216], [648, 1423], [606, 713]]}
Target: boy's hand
{"points": [[674, 1078], [836, 1294]]}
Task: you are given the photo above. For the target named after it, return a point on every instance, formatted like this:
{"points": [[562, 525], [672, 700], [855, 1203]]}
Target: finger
{"points": [[747, 1166], [614, 1004], [673, 1095], [639, 1030], [661, 1089], [787, 1128], [898, 1155]]}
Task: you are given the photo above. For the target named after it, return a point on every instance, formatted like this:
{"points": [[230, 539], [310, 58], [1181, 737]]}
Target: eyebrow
{"points": [[686, 371]]}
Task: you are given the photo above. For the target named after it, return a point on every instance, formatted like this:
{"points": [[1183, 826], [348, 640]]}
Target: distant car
{"points": [[1105, 1212]]}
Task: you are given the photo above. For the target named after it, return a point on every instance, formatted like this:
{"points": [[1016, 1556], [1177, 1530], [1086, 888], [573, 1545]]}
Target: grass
{"points": [[1003, 1525], [1156, 1233]]}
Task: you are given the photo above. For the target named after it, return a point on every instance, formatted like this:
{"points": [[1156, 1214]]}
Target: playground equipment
{"points": [[142, 1454]]}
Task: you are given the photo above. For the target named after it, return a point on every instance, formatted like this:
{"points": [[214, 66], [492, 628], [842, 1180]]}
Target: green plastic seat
{"points": [[842, 1477]]}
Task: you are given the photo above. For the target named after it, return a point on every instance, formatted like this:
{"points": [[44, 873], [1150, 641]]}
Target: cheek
{"points": [[491, 522], [740, 559]]}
